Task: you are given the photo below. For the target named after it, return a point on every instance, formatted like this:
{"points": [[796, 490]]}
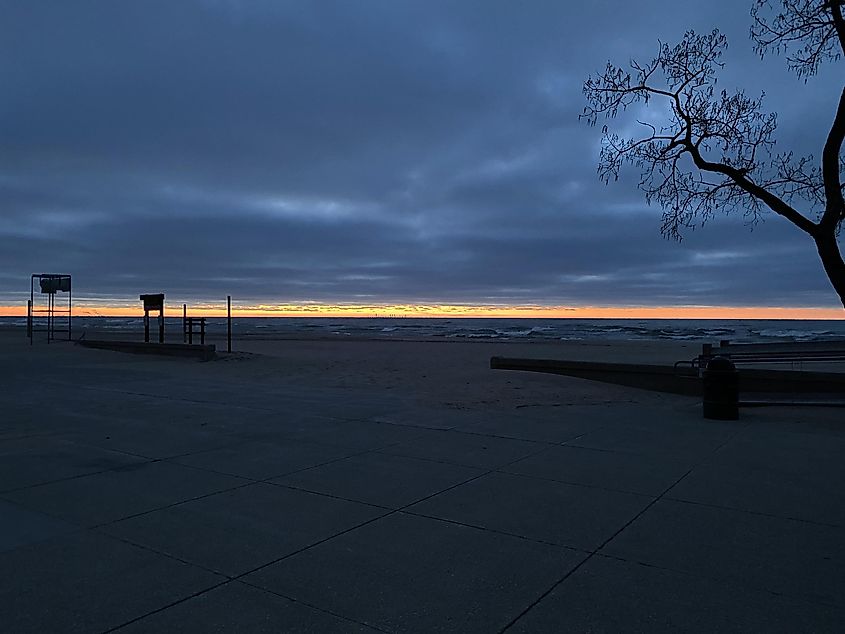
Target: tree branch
{"points": [[773, 202]]}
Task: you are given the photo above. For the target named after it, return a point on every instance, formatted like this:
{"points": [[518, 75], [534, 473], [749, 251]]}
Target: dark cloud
{"points": [[378, 152]]}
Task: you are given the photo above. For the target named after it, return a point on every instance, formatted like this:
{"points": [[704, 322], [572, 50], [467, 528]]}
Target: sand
{"points": [[404, 486]]}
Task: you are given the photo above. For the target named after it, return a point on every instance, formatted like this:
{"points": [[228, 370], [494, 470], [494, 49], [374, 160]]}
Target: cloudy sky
{"points": [[371, 152]]}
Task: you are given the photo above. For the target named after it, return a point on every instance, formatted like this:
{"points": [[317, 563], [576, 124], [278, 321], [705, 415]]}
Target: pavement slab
{"points": [[359, 435], [86, 582], [20, 526], [237, 607], [112, 495], [153, 439], [262, 460], [605, 469], [609, 595], [382, 479], [411, 574], [680, 441], [792, 494], [557, 428], [555, 512], [471, 450], [35, 460], [797, 559], [239, 530]]}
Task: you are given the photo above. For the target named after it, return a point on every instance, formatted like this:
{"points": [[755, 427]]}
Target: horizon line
{"points": [[203, 309]]}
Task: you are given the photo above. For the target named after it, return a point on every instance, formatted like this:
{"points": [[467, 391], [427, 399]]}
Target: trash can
{"points": [[721, 390]]}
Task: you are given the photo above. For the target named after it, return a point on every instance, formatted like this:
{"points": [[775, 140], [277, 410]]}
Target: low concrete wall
{"points": [[204, 353], [658, 378], [683, 381]]}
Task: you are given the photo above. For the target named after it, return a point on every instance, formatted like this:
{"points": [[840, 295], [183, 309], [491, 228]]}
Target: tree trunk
{"points": [[834, 266]]}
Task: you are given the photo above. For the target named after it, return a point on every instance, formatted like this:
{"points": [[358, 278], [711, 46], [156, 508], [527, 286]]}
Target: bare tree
{"points": [[714, 150]]}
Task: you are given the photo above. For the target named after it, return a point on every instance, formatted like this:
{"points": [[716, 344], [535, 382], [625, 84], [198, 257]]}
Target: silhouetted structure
{"points": [[49, 284], [195, 325], [153, 302]]}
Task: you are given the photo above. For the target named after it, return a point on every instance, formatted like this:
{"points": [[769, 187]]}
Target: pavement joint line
{"points": [[613, 536], [731, 581], [547, 443], [408, 425], [78, 528], [455, 430], [167, 506], [166, 397], [146, 460], [328, 495], [483, 435], [759, 513], [311, 605], [154, 459], [496, 531], [160, 397], [312, 545], [576, 484], [26, 435], [162, 553], [81, 475], [165, 607], [383, 451], [206, 450], [472, 479], [450, 463], [642, 454], [268, 479]]}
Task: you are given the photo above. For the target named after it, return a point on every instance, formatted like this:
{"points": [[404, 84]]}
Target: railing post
{"points": [[228, 323]]}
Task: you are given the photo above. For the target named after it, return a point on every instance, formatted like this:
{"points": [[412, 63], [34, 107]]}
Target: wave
{"points": [[490, 329]]}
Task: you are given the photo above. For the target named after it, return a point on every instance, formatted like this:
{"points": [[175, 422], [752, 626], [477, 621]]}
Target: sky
{"points": [[372, 154]]}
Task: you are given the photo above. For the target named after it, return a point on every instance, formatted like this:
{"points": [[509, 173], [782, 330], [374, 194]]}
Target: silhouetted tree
{"points": [[714, 150]]}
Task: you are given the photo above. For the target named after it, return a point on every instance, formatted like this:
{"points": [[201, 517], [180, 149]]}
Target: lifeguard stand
{"points": [[153, 302], [49, 316]]}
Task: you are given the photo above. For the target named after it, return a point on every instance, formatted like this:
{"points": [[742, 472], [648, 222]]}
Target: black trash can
{"points": [[721, 390]]}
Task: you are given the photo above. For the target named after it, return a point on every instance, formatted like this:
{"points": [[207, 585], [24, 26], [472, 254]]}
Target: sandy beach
{"points": [[403, 486]]}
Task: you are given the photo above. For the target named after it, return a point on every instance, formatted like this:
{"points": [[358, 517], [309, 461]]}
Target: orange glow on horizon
{"points": [[84, 309]]}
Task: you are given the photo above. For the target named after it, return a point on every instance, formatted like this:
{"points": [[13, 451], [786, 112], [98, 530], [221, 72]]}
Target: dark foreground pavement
{"points": [[174, 496]]}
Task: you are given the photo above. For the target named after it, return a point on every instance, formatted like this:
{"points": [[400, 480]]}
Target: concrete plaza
{"points": [[157, 495]]}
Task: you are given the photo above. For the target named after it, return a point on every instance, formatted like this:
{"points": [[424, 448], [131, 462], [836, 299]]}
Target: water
{"points": [[739, 331]]}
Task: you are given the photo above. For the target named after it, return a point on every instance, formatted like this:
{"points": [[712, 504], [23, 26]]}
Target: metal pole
{"points": [[29, 319], [228, 323], [31, 300], [69, 307], [202, 331], [184, 323], [161, 323]]}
